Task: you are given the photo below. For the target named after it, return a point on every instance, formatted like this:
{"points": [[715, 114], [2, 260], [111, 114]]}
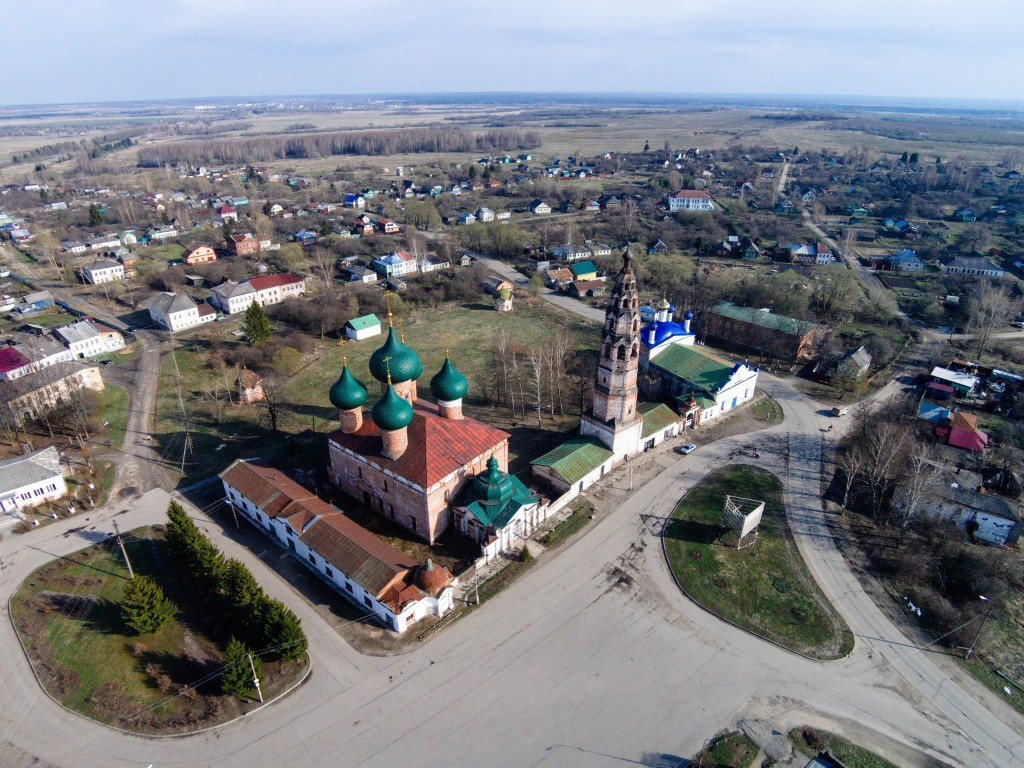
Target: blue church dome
{"points": [[662, 333], [688, 315]]}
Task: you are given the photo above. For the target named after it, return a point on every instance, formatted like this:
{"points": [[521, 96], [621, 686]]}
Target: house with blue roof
{"points": [[305, 237]]}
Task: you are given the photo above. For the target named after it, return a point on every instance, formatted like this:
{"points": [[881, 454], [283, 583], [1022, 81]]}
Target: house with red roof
{"points": [[13, 364], [226, 213], [384, 582], [963, 432]]}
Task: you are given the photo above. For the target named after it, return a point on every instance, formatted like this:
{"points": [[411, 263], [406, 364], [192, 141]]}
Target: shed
{"points": [[365, 327]]}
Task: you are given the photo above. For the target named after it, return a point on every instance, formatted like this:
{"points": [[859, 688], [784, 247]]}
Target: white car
{"points": [[685, 449]]}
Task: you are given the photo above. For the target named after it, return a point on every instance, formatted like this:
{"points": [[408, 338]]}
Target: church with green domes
{"points": [[424, 465]]}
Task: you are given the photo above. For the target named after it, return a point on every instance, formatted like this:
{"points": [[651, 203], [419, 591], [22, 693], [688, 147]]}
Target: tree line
{"points": [[380, 142], [234, 595]]}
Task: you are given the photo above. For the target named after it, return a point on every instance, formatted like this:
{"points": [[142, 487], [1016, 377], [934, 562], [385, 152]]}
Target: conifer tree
{"points": [[236, 679], [256, 326], [283, 631], [95, 217], [144, 607]]}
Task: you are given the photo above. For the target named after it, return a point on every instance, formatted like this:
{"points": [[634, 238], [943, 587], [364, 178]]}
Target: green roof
{"points": [[364, 322], [395, 358], [348, 392], [694, 366], [763, 319], [575, 458], [448, 384], [704, 401], [392, 411], [494, 497], [657, 416], [583, 268]]}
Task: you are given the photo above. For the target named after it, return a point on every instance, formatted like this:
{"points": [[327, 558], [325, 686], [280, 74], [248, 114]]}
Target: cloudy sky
{"points": [[103, 50]]}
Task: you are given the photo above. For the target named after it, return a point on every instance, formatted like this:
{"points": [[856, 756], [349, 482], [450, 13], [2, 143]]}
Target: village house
{"points": [[103, 271], [30, 480], [971, 266], [25, 354], [231, 297], [162, 233], [690, 200], [243, 244], [358, 274], [371, 574], [41, 391], [83, 340], [493, 284], [903, 260], [538, 206], [394, 264], [198, 254], [177, 311]]}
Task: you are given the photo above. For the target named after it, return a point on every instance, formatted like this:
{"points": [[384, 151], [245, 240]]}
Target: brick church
{"points": [[411, 458]]}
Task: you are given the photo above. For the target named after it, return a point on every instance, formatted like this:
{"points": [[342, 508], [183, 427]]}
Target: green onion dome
{"points": [[402, 361], [493, 485], [348, 392], [448, 384], [392, 411]]}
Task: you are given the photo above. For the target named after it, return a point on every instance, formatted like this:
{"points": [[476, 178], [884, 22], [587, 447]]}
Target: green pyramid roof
{"points": [[347, 393], [402, 361], [392, 412], [494, 497], [448, 384]]}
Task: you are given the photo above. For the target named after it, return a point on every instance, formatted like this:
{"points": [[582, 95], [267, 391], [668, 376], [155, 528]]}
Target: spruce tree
{"points": [[256, 326], [95, 217], [236, 679], [144, 607], [283, 631]]}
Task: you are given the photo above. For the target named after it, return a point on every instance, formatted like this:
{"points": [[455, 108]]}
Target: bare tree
{"points": [[502, 344], [272, 404], [920, 475], [536, 359], [851, 462], [886, 451], [991, 307]]}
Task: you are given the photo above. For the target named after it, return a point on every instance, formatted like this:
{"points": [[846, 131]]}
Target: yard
{"points": [[727, 750], [765, 586], [68, 618], [468, 331]]}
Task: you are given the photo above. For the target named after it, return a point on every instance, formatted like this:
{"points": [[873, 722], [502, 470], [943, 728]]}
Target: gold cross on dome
{"points": [[387, 366], [341, 343]]}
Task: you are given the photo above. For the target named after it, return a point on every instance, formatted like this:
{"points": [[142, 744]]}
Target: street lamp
{"points": [[982, 627]]}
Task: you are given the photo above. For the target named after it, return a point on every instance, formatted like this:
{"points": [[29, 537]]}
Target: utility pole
{"points": [[981, 628], [255, 679], [186, 448], [124, 552], [234, 513], [476, 587]]}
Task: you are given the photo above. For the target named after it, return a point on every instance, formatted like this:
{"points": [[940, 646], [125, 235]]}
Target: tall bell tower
{"points": [[614, 419]]}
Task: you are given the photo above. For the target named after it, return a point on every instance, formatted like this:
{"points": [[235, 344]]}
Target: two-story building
{"points": [[103, 271], [198, 254], [177, 311], [394, 264], [690, 200], [30, 480]]}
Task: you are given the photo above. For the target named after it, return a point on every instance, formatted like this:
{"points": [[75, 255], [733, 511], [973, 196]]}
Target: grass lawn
{"points": [[729, 750], [470, 331], [810, 741], [768, 411], [764, 587], [572, 524], [68, 617], [167, 252], [115, 413]]}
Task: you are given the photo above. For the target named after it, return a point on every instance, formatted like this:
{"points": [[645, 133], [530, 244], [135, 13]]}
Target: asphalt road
{"points": [[594, 658]]}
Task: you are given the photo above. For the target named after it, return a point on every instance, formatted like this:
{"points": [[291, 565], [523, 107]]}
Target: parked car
{"points": [[840, 410], [685, 449]]}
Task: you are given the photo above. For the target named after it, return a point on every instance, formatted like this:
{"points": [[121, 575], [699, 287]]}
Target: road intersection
{"points": [[593, 658]]}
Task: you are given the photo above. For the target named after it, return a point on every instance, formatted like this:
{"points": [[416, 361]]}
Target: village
{"points": [[417, 380]]}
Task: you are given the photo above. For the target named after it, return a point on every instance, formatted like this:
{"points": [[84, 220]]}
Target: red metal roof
{"points": [[375, 565], [11, 359], [274, 281], [436, 446]]}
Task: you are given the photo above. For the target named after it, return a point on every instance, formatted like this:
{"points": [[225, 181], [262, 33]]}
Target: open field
{"points": [[470, 332], [764, 587]]}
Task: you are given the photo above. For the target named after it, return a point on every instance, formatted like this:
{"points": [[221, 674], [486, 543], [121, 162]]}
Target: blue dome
{"points": [[662, 333], [688, 315]]}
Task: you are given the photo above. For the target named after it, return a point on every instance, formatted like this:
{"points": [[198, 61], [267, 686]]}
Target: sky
{"points": [[61, 51]]}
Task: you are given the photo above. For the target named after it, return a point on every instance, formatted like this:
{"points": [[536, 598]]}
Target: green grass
{"points": [[764, 587], [471, 332], [728, 750], [503, 579], [767, 410], [568, 527], [115, 413], [845, 751], [167, 252], [90, 662]]}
